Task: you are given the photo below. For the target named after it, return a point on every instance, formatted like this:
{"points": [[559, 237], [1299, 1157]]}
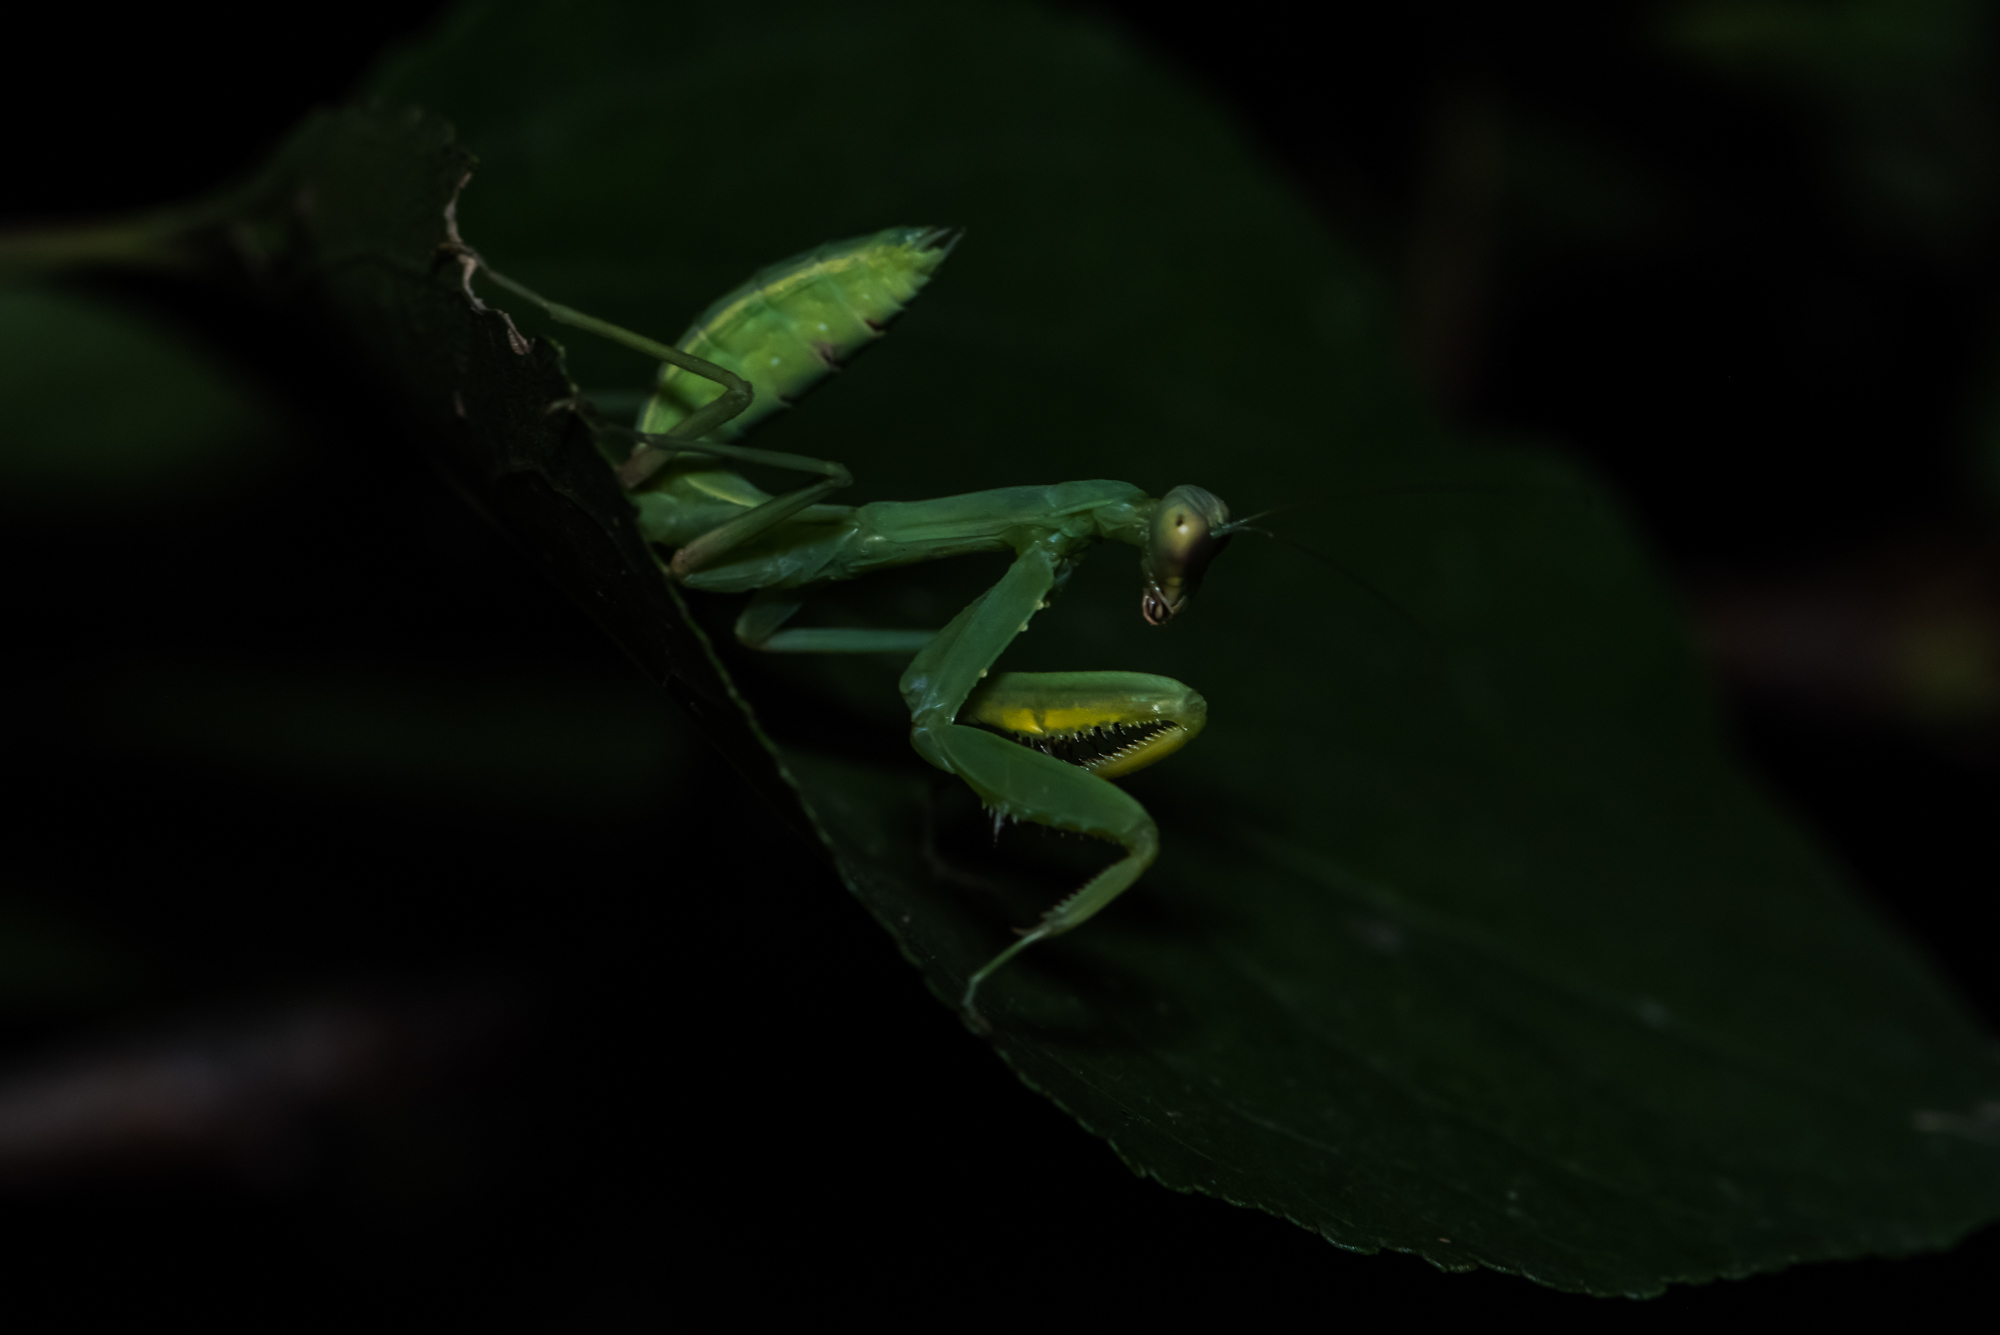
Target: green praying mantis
{"points": [[1040, 747]]}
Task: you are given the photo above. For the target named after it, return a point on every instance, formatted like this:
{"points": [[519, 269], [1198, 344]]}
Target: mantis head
{"points": [[1189, 527]]}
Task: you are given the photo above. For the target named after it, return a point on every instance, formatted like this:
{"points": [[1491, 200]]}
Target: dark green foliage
{"points": [[1467, 937], [178, 422]]}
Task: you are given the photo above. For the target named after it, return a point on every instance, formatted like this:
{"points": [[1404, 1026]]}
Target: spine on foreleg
{"points": [[790, 326]]}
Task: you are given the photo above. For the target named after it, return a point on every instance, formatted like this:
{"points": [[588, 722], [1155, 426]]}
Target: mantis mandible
{"points": [[1040, 747]]}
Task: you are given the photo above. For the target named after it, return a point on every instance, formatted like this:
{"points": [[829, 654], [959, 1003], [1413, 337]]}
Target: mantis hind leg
{"points": [[737, 392], [654, 451], [1018, 783], [718, 542]]}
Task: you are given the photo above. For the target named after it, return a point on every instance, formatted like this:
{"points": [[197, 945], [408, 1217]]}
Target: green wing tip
{"points": [[934, 244]]}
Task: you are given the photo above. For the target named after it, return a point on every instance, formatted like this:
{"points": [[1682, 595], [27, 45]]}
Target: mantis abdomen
{"points": [[793, 323]]}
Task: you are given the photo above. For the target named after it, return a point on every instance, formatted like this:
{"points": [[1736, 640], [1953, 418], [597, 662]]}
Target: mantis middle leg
{"points": [[760, 628]]}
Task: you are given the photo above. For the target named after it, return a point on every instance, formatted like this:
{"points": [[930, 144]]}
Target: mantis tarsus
{"points": [[1066, 734]]}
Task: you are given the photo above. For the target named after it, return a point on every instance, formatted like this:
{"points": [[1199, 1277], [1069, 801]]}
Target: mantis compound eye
{"points": [[1188, 529]]}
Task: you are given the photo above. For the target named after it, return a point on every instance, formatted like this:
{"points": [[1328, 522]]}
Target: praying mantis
{"points": [[1040, 747]]}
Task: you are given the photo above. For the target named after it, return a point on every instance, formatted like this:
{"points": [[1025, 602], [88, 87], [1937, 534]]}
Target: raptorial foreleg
{"points": [[948, 690], [1025, 785]]}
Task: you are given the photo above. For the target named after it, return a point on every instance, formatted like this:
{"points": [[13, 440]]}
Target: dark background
{"points": [[581, 1099]]}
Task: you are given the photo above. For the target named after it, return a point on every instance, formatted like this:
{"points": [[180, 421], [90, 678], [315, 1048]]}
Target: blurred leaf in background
{"points": [[111, 409], [50, 960], [539, 745], [1897, 103], [1902, 91]]}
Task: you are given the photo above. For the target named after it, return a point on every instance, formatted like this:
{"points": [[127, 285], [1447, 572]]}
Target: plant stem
{"points": [[158, 241]]}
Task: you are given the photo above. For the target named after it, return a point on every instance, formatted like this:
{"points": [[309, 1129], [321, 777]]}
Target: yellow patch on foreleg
{"points": [[1109, 723]]}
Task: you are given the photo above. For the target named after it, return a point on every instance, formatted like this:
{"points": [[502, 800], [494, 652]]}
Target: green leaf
{"points": [[1467, 938]]}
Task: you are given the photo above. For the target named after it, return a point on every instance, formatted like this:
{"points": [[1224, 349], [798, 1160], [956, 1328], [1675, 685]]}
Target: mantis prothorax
{"points": [[1038, 747]]}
